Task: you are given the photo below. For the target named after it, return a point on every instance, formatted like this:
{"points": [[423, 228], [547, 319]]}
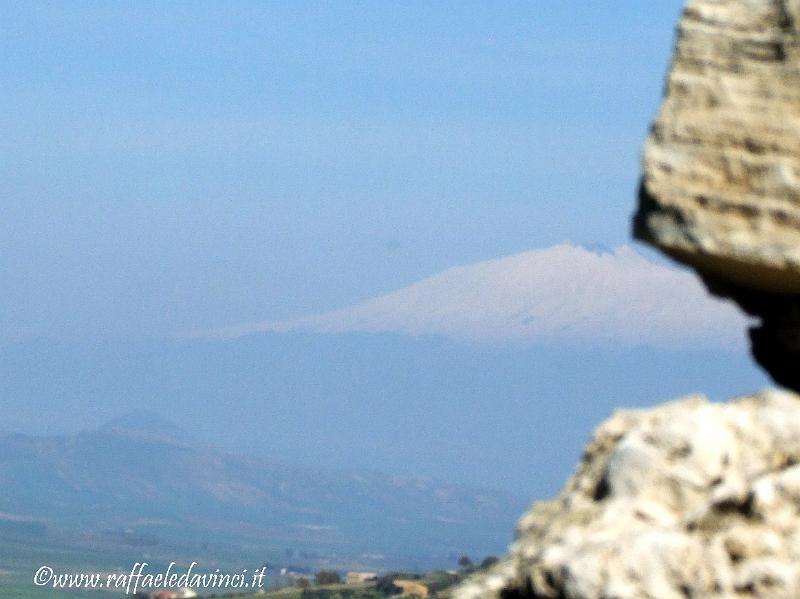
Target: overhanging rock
{"points": [[721, 183]]}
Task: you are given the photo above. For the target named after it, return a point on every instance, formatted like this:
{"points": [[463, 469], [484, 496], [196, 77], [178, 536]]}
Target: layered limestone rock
{"points": [[721, 184], [689, 499]]}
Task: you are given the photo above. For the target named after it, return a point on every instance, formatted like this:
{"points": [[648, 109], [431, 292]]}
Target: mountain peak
{"points": [[564, 294]]}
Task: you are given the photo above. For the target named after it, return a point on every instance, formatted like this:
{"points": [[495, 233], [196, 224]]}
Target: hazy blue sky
{"points": [[174, 167], [170, 166]]}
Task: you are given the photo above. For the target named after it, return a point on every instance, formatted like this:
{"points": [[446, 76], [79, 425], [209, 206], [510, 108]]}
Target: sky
{"points": [[176, 166], [199, 197]]}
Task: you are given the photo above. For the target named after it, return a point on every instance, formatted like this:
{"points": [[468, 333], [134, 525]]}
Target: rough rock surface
{"points": [[721, 185], [687, 500]]}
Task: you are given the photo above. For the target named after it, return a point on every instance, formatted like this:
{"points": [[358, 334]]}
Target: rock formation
{"points": [[721, 184], [693, 499], [690, 499]]}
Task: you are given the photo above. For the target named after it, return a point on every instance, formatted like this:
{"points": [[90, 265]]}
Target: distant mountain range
{"points": [[565, 294], [140, 481]]}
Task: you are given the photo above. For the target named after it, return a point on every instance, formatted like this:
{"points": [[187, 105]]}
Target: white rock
{"points": [[688, 499]]}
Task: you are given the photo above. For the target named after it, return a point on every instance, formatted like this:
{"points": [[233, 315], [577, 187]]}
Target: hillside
{"points": [[152, 490]]}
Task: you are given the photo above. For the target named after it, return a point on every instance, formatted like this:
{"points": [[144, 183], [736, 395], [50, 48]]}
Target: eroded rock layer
{"points": [[689, 499], [721, 184]]}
